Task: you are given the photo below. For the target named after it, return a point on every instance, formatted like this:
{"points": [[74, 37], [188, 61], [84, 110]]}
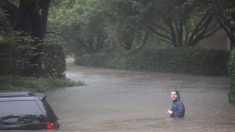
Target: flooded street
{"points": [[128, 101]]}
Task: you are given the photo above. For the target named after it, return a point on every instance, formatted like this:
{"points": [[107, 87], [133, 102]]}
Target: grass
{"points": [[18, 83]]}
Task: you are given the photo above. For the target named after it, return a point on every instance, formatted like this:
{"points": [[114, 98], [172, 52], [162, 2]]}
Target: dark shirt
{"points": [[178, 109]]}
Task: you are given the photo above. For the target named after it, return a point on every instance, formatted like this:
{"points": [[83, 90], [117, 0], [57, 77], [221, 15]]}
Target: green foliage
{"points": [[193, 61], [53, 60], [181, 23], [125, 25], [128, 24], [16, 52], [224, 14], [232, 76], [9, 83], [4, 23], [82, 25]]}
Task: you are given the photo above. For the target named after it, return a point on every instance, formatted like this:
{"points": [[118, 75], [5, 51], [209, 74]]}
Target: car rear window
{"points": [[18, 108]]}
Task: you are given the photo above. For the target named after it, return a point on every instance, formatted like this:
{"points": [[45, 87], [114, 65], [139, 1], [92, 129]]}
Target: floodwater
{"points": [[128, 101]]}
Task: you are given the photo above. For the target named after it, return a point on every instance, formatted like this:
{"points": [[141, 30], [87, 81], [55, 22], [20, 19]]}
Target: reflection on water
{"points": [[115, 100]]}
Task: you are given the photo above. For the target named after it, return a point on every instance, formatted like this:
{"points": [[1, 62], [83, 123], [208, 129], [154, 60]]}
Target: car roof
{"points": [[28, 95]]}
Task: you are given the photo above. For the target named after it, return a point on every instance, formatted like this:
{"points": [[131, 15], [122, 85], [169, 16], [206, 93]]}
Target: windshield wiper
{"points": [[9, 120], [25, 119]]}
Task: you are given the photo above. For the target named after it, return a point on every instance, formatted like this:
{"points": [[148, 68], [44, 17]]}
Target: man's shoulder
{"points": [[179, 102]]}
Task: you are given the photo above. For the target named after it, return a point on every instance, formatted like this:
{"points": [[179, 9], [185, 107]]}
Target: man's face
{"points": [[173, 96]]}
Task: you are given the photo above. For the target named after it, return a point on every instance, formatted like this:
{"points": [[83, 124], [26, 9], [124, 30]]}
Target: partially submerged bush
{"points": [[232, 76], [16, 53], [53, 61], [193, 61]]}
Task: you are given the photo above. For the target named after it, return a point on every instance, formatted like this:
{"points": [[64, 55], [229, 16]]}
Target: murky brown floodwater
{"points": [[125, 101]]}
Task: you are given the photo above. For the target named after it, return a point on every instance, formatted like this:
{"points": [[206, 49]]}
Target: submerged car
{"points": [[26, 111]]}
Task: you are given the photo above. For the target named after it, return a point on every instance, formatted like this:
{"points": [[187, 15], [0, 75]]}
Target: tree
{"points": [[125, 25], [4, 23], [224, 12], [182, 23], [82, 24], [89, 33], [30, 18], [7, 16]]}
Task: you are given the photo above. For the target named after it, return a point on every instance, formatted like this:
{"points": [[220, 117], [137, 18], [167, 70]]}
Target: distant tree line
{"points": [[93, 26]]}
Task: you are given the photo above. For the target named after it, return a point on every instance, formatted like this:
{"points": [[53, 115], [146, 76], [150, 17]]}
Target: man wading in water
{"points": [[177, 109]]}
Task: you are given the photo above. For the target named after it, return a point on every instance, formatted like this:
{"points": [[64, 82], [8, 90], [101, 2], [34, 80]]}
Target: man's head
{"points": [[175, 95]]}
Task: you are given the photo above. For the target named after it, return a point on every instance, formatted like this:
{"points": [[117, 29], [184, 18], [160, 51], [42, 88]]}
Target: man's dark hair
{"points": [[177, 93]]}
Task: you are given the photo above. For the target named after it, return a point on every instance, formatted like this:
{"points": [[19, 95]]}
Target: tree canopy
{"points": [[130, 23], [91, 26]]}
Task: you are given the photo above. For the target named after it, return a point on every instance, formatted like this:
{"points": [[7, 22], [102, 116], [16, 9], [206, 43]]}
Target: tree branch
{"points": [[203, 36], [159, 33], [173, 34], [55, 33], [145, 38]]}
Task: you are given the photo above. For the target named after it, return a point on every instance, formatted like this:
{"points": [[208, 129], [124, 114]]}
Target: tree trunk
{"points": [[44, 16], [32, 23]]}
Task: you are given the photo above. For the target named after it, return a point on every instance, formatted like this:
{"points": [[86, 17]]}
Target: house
{"points": [[218, 41]]}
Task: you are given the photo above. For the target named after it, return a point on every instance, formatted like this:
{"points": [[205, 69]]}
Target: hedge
{"points": [[232, 76], [53, 61], [14, 55], [16, 52], [180, 60]]}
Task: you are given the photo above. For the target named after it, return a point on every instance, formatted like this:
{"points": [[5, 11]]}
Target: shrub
{"points": [[232, 76], [53, 60], [16, 53], [180, 60]]}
